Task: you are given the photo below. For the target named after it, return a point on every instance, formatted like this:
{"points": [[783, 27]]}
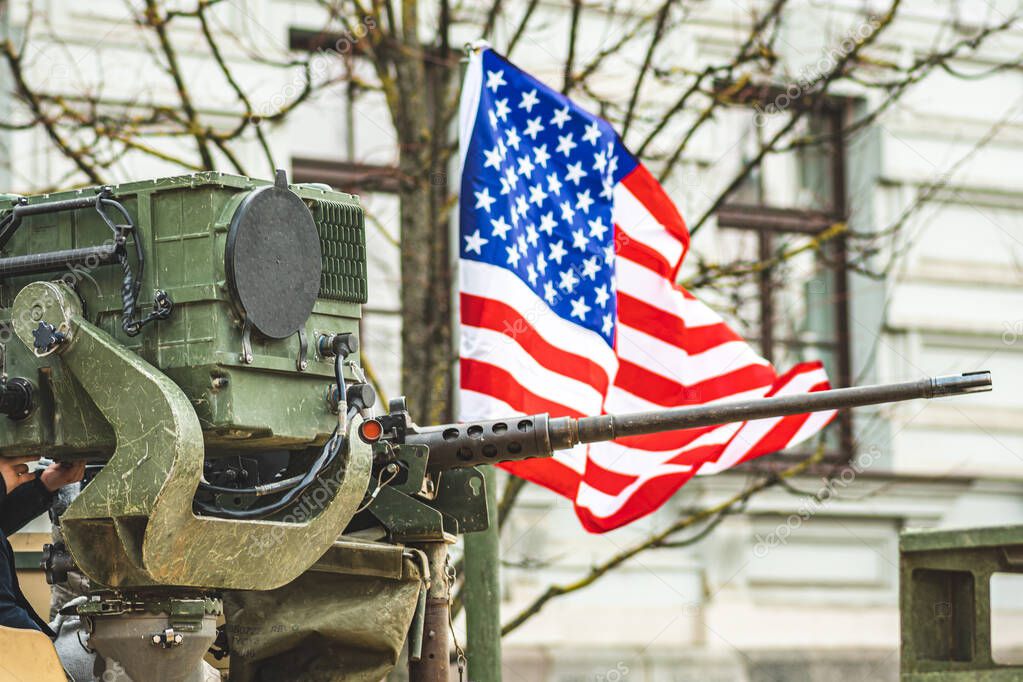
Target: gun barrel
{"points": [[516, 438]]}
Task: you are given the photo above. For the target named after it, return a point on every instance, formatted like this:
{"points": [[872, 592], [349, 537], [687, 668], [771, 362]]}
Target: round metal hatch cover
{"points": [[273, 260]]}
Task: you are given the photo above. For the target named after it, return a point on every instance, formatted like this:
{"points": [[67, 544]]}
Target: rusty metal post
{"points": [[434, 664]]}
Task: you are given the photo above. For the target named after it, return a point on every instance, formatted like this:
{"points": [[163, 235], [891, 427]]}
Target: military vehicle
{"points": [[196, 340]]}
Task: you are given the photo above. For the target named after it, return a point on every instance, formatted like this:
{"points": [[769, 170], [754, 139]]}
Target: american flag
{"points": [[569, 250]]}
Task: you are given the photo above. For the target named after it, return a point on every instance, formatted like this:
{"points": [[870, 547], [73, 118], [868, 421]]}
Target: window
{"points": [[784, 224]]}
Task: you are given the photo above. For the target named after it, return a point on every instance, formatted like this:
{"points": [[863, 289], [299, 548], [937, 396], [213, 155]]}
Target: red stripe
{"points": [[492, 380], [670, 328], [645, 499], [492, 314], [550, 473], [605, 480], [641, 254], [656, 388], [649, 192]]}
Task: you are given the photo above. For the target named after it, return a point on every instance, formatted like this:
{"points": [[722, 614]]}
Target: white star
{"points": [[609, 253], [597, 228], [541, 156], [474, 242], [579, 308], [495, 79], [511, 177], [607, 326], [584, 201], [521, 243], [608, 188], [568, 280], [513, 138], [504, 150], [591, 268], [515, 217], [599, 162], [502, 109], [580, 240], [561, 117], [548, 223], [531, 235], [484, 200], [541, 263], [513, 256], [592, 134], [536, 194], [612, 163], [525, 166], [493, 158], [558, 251], [531, 274], [602, 295], [567, 212], [529, 100], [533, 128], [493, 118], [521, 205], [549, 293], [505, 187], [575, 173], [553, 184], [500, 227], [565, 144]]}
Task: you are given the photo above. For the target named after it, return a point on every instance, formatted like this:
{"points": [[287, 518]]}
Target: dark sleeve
{"points": [[23, 504]]}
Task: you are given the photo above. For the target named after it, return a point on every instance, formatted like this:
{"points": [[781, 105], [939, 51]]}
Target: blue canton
{"points": [[537, 191]]}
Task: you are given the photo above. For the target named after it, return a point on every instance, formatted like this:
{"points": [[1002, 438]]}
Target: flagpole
{"points": [[481, 592]]}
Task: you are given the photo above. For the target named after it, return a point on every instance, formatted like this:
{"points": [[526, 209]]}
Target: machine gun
{"points": [[239, 467]]}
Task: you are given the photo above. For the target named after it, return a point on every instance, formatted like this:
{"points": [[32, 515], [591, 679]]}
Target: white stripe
{"points": [[622, 459], [650, 287], [816, 422], [754, 431], [490, 281], [501, 350], [675, 364], [638, 223], [469, 105]]}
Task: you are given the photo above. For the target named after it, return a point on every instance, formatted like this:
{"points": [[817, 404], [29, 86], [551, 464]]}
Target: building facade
{"points": [[802, 582]]}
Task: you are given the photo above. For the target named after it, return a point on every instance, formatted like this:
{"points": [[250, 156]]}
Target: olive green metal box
{"points": [[249, 389]]}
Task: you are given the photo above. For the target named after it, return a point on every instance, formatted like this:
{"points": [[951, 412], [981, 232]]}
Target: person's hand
{"points": [[14, 471], [59, 474]]}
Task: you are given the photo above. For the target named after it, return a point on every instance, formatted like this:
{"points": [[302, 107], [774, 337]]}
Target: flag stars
{"points": [[583, 201], [521, 205], [531, 235], [561, 117], [500, 228], [567, 212], [541, 263], [511, 177], [558, 251], [597, 228], [501, 109], [607, 326], [609, 254], [513, 255], [525, 167], [513, 138], [550, 294], [529, 100], [495, 79], [568, 280], [548, 223], [580, 240], [607, 188], [599, 162], [536, 194], [493, 158], [533, 128], [474, 243], [553, 184], [591, 268], [592, 134], [521, 243], [540, 156], [575, 173], [484, 200], [602, 296], [579, 308], [566, 144], [531, 274]]}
